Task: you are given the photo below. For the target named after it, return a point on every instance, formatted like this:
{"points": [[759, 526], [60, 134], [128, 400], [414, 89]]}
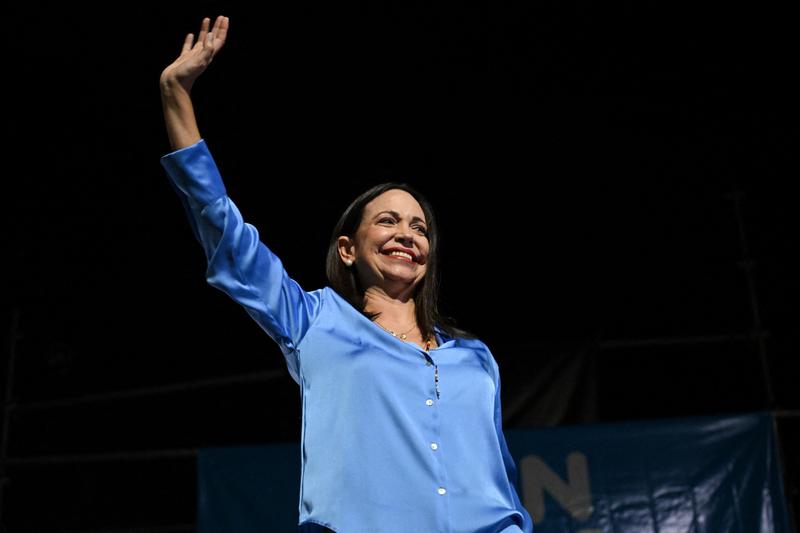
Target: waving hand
{"points": [[177, 79], [197, 55]]}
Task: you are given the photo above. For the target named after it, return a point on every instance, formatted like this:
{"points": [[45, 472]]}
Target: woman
{"points": [[401, 426]]}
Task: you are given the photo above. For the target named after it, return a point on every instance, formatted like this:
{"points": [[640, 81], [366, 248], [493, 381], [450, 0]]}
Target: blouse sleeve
{"points": [[508, 460], [239, 264]]}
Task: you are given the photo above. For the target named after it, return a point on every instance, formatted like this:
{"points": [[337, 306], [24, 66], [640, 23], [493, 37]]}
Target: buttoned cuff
{"points": [[194, 173]]}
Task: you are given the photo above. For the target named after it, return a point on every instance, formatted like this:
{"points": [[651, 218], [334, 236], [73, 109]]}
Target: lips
{"points": [[401, 257]]}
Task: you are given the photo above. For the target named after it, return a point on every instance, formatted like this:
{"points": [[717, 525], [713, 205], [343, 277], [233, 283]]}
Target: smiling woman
{"points": [[402, 425], [383, 259]]}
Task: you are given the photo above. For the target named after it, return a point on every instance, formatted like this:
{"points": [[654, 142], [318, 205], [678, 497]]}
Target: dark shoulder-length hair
{"points": [[344, 280]]}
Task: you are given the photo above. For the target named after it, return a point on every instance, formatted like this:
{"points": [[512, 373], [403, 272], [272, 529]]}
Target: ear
{"points": [[346, 248]]}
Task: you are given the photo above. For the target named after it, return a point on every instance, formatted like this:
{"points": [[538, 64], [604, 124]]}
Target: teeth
{"points": [[403, 254]]}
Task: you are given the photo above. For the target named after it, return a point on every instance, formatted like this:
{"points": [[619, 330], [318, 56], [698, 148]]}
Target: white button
{"points": [[428, 402], [441, 490], [434, 445]]}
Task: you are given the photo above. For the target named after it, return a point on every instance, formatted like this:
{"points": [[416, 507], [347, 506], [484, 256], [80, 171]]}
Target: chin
{"points": [[412, 282]]}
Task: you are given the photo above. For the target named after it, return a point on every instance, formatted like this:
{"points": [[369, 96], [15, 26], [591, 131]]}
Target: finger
{"points": [[208, 44], [201, 37], [217, 22], [187, 43], [221, 31]]}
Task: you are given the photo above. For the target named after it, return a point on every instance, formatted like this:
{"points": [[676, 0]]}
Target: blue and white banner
{"points": [[697, 475]]}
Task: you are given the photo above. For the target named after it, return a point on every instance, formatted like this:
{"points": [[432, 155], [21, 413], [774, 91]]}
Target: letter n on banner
{"points": [[574, 495]]}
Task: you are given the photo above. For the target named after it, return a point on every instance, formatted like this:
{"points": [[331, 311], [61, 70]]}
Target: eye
{"points": [[421, 229]]}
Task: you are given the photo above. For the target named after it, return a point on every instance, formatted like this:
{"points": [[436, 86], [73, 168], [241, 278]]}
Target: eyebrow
{"points": [[397, 215]]}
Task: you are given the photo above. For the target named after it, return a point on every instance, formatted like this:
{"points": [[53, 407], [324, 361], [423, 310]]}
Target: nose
{"points": [[404, 234], [405, 239]]}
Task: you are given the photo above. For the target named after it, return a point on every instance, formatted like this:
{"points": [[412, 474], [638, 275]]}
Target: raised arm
{"points": [[238, 263], [177, 79]]}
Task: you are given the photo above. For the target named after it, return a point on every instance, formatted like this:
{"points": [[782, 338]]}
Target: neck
{"points": [[394, 311]]}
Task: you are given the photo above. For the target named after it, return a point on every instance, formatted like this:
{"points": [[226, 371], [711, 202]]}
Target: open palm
{"points": [[197, 55]]}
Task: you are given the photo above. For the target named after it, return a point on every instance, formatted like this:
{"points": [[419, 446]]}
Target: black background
{"points": [[584, 161]]}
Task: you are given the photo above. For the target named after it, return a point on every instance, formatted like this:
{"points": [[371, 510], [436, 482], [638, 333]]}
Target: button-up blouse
{"points": [[384, 447]]}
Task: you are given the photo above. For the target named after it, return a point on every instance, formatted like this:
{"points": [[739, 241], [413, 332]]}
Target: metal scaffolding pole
{"points": [[671, 341], [213, 383], [76, 458], [748, 264], [164, 528], [13, 337]]}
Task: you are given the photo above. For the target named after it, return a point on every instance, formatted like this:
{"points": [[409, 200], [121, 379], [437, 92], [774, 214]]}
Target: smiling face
{"points": [[393, 226]]}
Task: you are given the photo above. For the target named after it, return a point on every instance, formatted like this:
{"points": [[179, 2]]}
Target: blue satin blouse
{"points": [[381, 452]]}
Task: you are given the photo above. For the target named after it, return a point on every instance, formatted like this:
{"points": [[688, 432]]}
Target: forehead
{"points": [[395, 200]]}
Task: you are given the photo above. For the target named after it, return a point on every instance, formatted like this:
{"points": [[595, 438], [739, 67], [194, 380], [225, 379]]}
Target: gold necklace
{"points": [[404, 336]]}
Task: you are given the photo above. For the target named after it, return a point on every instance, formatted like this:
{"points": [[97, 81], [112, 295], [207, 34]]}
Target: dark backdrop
{"points": [[586, 162]]}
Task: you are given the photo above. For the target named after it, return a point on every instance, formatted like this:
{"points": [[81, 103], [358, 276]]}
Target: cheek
{"points": [[427, 253], [377, 238]]}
